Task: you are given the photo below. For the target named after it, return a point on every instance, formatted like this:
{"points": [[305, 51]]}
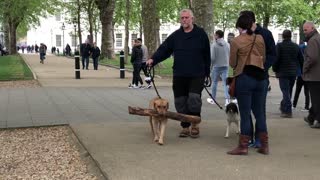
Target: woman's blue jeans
{"points": [[250, 96], [216, 73]]}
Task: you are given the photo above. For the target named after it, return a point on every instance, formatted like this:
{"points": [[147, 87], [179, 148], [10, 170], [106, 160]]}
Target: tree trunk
{"points": [[78, 22], [90, 18], [301, 34], [12, 37], [168, 114], [140, 28], [203, 13], [150, 25], [126, 42], [6, 35], [266, 20], [106, 8]]}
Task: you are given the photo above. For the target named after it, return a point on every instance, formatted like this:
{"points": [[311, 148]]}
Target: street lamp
{"points": [[75, 33], [63, 28]]}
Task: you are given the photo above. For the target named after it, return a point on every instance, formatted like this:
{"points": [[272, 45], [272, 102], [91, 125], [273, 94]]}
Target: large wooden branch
{"points": [[168, 114]]}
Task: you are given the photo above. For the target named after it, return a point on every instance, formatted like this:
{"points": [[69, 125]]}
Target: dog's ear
{"points": [[154, 105], [236, 109], [227, 108]]}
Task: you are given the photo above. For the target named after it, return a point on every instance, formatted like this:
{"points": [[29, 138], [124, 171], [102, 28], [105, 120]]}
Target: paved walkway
{"points": [[96, 108]]}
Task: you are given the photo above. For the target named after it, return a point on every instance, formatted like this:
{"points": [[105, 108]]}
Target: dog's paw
{"points": [[238, 132], [156, 140], [226, 136], [160, 142]]}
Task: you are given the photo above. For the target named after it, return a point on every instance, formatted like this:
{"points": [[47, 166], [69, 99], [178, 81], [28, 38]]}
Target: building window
{"points": [[134, 36], [295, 38], [73, 40], [280, 37], [163, 37], [118, 40], [58, 17], [58, 40]]}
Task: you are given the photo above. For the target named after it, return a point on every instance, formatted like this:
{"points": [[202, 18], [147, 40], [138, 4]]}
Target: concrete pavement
{"points": [[96, 109]]}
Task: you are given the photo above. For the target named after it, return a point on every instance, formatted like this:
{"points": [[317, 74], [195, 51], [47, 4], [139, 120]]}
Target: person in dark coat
{"points": [[311, 71], [289, 57], [95, 55], [136, 60], [301, 83], [68, 50], [43, 50], [190, 47], [85, 53]]}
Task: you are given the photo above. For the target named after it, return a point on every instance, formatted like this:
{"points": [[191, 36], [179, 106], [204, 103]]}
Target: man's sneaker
{"points": [[286, 115], [135, 87], [227, 102], [210, 101], [316, 125], [307, 120], [305, 110], [184, 133], [149, 86]]}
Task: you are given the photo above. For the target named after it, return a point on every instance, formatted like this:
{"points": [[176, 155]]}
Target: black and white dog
{"points": [[232, 117]]}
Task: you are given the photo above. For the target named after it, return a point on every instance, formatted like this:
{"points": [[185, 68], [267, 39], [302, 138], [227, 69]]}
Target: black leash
{"points": [[149, 69], [207, 83]]}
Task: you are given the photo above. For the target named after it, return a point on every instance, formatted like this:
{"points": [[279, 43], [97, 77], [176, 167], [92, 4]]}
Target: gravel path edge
{"points": [[93, 165]]}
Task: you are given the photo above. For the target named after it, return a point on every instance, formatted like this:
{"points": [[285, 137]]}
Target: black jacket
{"points": [[191, 52], [136, 55], [270, 47], [289, 57], [95, 52], [85, 50]]}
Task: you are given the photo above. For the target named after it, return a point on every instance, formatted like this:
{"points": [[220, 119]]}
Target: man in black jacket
{"points": [[191, 52], [136, 60], [85, 53], [289, 57], [95, 55]]}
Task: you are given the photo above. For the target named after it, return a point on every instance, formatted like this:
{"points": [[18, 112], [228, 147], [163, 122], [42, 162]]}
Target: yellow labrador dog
{"points": [[158, 123]]}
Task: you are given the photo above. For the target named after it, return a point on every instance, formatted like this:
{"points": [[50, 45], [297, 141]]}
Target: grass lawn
{"points": [[163, 69], [14, 68]]}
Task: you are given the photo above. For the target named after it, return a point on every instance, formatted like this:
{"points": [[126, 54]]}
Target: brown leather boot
{"points": [[264, 149], [242, 148]]}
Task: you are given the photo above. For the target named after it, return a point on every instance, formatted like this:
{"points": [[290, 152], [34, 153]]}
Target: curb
{"points": [[33, 73], [87, 153]]}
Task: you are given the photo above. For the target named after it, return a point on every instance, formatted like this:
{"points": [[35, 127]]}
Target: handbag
{"points": [[231, 81]]}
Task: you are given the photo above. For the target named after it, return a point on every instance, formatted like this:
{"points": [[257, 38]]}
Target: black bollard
{"points": [[77, 64], [122, 69]]}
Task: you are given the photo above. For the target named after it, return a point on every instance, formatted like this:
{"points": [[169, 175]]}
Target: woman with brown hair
{"points": [[247, 55]]}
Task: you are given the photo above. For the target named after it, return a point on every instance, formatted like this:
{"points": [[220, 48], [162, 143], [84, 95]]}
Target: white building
{"points": [[53, 31]]}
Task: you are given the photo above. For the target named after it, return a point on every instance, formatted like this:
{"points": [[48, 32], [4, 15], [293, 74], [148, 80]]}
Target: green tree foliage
{"points": [[226, 12], [23, 12]]}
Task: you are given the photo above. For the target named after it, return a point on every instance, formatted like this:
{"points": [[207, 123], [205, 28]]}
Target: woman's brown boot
{"points": [[242, 148], [264, 149]]}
